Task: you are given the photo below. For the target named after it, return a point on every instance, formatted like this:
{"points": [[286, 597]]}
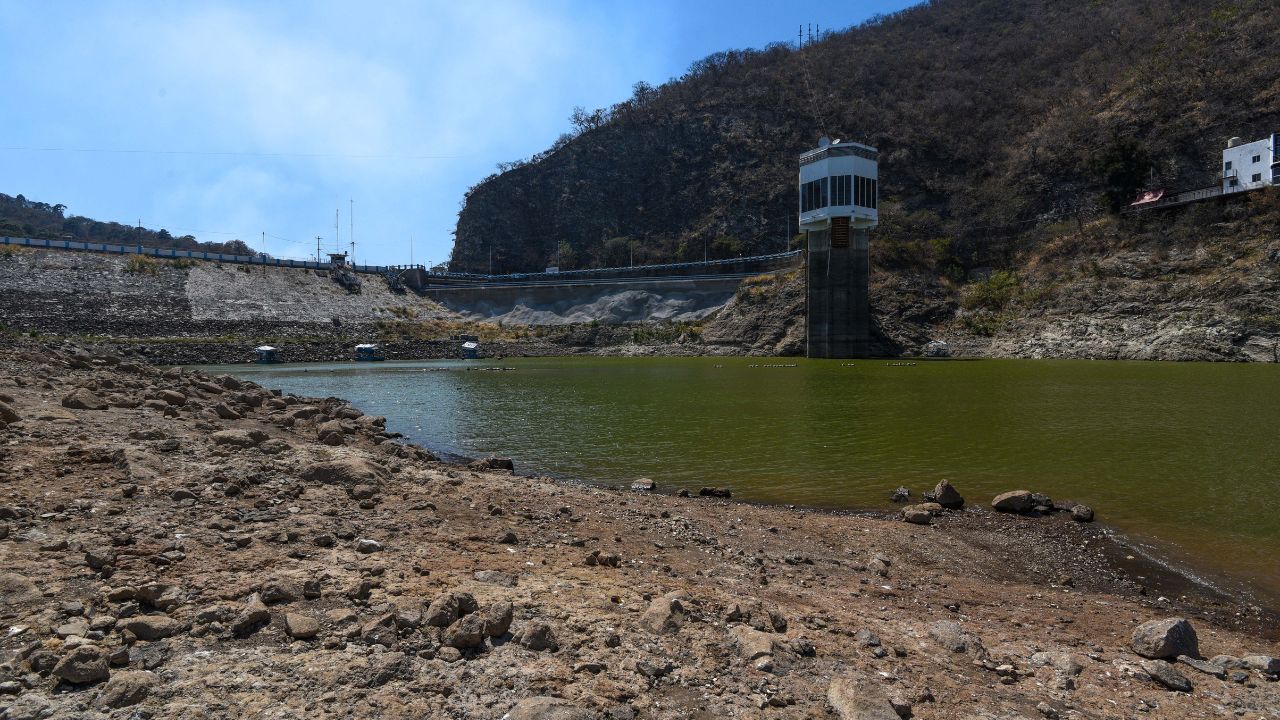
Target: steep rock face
{"points": [[993, 118]]}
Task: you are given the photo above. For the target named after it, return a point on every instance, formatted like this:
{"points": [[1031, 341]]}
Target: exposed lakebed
{"points": [[1184, 453]]}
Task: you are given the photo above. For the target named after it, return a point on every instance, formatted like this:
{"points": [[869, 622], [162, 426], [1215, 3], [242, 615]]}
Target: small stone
{"points": [[866, 638], [252, 616], [537, 637], [447, 608], [547, 708], [664, 615], [497, 618], [495, 577], [82, 399], [1082, 513], [366, 546], [84, 664], [1163, 673], [126, 688], [946, 495], [718, 492], [300, 627], [917, 515], [467, 632], [152, 627], [644, 485], [953, 637], [8, 414], [900, 495], [856, 697], [1262, 663]]}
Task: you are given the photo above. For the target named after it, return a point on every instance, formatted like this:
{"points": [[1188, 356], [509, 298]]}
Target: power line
{"points": [[219, 153]]}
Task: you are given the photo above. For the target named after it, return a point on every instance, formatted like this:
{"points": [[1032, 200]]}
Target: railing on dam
{"points": [[420, 278], [733, 266], [171, 254]]}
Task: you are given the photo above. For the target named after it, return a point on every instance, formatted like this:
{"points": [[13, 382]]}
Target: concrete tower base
{"points": [[838, 278]]}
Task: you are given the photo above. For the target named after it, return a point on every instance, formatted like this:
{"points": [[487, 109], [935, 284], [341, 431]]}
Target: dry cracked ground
{"points": [[179, 545]]}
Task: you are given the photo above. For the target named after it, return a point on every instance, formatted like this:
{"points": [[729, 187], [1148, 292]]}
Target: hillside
{"points": [[994, 118], [22, 217]]}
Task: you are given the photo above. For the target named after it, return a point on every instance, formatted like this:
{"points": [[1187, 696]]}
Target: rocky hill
{"points": [[993, 118]]}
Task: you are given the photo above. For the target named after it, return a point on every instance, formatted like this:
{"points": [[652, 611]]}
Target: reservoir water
{"points": [[1184, 453]]}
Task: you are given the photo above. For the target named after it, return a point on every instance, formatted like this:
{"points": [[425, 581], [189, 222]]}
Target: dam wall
{"points": [[612, 301]]}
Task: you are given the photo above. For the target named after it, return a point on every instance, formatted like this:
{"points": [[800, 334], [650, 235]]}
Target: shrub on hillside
{"points": [[141, 265], [995, 293]]}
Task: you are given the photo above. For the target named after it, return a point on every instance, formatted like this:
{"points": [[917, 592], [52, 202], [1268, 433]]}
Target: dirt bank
{"points": [[176, 545]]}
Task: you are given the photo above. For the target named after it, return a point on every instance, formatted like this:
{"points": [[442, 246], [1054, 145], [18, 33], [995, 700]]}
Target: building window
{"points": [[813, 195], [1234, 182], [864, 192], [1257, 177], [1257, 158], [842, 190], [1227, 168]]}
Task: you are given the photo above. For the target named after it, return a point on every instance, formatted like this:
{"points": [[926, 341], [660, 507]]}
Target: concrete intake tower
{"points": [[839, 194]]}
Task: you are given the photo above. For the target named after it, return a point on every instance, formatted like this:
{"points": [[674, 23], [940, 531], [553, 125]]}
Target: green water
{"points": [[1186, 453]]}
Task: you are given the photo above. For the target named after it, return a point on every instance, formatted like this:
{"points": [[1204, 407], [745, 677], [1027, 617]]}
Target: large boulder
{"points": [[348, 472], [1015, 501], [83, 399], [946, 495], [855, 697], [1166, 638]]}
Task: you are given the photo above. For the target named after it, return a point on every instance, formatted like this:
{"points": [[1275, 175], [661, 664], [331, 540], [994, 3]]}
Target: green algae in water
{"points": [[1184, 452]]}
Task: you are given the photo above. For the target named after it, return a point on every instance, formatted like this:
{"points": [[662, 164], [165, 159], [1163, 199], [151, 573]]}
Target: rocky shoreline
{"points": [[180, 545]]}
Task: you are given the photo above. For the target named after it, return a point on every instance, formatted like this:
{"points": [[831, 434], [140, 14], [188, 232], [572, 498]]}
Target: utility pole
{"points": [[317, 248], [337, 247], [351, 217], [264, 243]]}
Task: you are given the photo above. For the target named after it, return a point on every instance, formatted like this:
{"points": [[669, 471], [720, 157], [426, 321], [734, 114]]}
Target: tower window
{"points": [[1257, 177], [842, 190], [1257, 158], [813, 195], [1227, 167]]}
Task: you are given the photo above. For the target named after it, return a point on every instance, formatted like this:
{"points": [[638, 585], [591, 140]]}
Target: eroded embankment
{"points": [[189, 546]]}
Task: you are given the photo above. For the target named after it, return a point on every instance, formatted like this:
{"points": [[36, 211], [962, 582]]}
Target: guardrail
{"points": [[756, 263], [171, 254]]}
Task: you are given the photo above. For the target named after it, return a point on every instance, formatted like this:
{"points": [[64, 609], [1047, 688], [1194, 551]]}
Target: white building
{"points": [[1250, 166], [839, 180]]}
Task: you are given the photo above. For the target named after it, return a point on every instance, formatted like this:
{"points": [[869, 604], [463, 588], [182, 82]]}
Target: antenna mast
{"points": [[351, 218], [317, 248], [337, 245]]}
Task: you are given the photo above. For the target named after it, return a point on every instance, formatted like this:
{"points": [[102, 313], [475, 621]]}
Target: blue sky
{"points": [[230, 119]]}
